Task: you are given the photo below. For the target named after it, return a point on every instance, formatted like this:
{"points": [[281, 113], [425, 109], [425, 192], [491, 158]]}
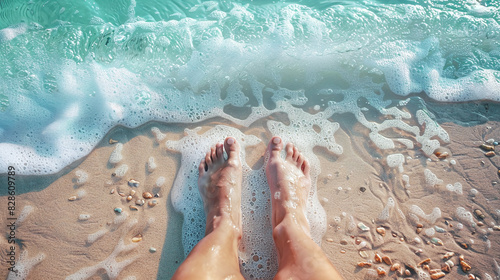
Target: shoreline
{"points": [[54, 225]]}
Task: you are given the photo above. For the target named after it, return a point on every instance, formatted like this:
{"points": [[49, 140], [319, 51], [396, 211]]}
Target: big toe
{"points": [[232, 148], [275, 146]]}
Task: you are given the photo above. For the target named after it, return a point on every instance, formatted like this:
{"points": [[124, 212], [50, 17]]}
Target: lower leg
{"points": [[289, 181], [216, 255]]}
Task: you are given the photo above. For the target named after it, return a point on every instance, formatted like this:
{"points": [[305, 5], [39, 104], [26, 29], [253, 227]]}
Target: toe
{"points": [[213, 154], [232, 149], [306, 168], [275, 146], [219, 151], [208, 159], [289, 151], [296, 153], [202, 167], [300, 160]]}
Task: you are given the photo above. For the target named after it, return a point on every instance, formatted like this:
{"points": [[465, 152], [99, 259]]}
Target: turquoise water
{"points": [[72, 70]]}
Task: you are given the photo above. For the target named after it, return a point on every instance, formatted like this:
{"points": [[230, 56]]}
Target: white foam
{"points": [[28, 209], [159, 136], [465, 216], [91, 238], [160, 181], [416, 211], [151, 164], [121, 170], [116, 155], [24, 265], [112, 267], [396, 160], [384, 215], [81, 177], [431, 179], [456, 188]]}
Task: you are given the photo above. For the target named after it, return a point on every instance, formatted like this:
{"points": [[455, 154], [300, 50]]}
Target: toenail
{"points": [[230, 141], [277, 140]]}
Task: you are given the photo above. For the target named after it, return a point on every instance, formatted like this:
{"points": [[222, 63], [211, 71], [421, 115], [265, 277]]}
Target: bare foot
{"points": [[219, 184], [290, 183]]}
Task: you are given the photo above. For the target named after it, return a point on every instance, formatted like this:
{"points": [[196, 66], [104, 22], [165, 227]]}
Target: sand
{"points": [[354, 187]]}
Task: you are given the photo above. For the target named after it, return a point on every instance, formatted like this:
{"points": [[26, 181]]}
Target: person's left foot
{"points": [[219, 184]]}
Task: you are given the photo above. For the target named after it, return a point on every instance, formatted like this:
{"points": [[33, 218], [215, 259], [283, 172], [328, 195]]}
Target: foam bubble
{"points": [[431, 179], [116, 155], [81, 177], [396, 160], [121, 170], [151, 164]]}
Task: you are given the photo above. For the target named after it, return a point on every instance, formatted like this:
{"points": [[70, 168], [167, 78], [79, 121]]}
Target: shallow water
{"points": [[309, 71]]}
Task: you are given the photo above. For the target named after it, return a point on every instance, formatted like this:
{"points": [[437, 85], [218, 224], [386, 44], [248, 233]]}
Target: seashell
{"points": [[496, 228], [395, 266], [139, 202], [426, 267], [419, 230], [420, 225], [381, 271], [446, 268], [479, 214], [490, 154], [132, 192], [129, 198], [364, 264], [147, 195], [112, 141], [464, 245], [152, 250], [437, 241], [387, 260], [441, 155], [426, 261], [381, 231], [357, 241], [437, 275], [133, 207], [122, 194], [486, 147], [137, 238], [439, 229], [465, 266], [157, 195], [363, 254], [118, 210], [152, 203], [329, 240], [432, 271], [72, 198], [363, 227], [112, 191], [133, 183], [378, 258], [448, 255], [471, 277], [407, 272]]}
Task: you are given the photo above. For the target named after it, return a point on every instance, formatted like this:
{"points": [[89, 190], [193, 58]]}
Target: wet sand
{"points": [[353, 188]]}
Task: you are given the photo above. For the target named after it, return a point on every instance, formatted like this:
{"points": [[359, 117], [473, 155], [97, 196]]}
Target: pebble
{"points": [[152, 250], [137, 238], [490, 154], [112, 191], [72, 198], [486, 147], [363, 254], [364, 264], [152, 203], [129, 198], [133, 207], [139, 202], [132, 192], [330, 240], [479, 214], [381, 271], [363, 227], [83, 217], [118, 210], [378, 258], [342, 242], [133, 183], [147, 195], [495, 143], [453, 162], [387, 260], [437, 241], [381, 231]]}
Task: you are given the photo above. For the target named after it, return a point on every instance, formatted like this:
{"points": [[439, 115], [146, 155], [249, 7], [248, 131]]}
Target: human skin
{"points": [[220, 187]]}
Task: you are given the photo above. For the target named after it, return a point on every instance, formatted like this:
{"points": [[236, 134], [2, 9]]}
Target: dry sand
{"points": [[353, 187]]}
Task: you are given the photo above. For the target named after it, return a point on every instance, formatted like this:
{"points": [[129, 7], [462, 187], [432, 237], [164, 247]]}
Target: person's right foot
{"points": [[290, 182]]}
